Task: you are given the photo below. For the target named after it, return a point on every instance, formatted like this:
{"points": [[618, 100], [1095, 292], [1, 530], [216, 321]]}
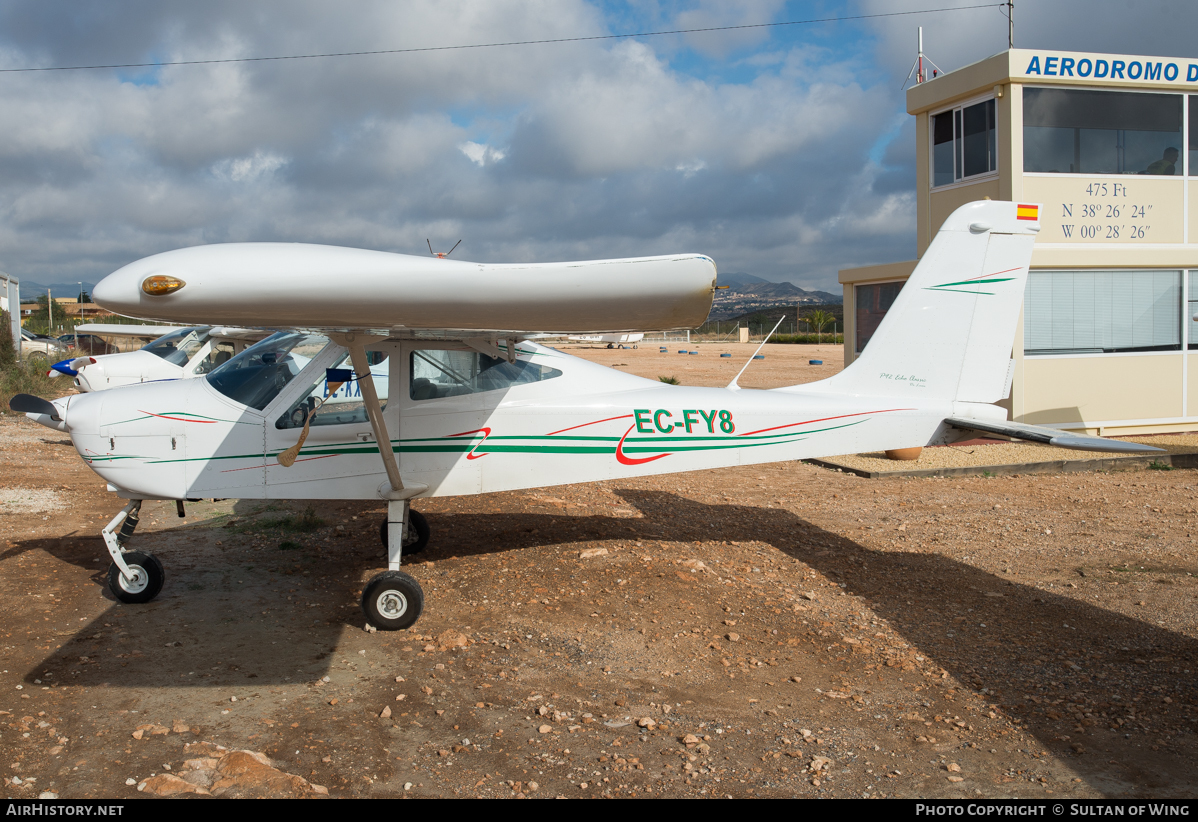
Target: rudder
{"points": [[950, 331]]}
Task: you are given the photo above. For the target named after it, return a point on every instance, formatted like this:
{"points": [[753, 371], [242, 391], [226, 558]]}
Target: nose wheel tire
{"points": [[392, 601], [418, 533], [148, 577]]}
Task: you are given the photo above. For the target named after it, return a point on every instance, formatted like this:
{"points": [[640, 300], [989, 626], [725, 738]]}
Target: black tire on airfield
{"points": [[418, 533], [392, 601], [147, 583]]}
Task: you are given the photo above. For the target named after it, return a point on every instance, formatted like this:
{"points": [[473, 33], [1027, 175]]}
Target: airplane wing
{"points": [[153, 332], [146, 332], [295, 285], [1051, 436]]}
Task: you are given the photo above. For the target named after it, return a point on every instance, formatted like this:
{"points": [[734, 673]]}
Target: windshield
{"points": [[179, 346], [257, 375]]}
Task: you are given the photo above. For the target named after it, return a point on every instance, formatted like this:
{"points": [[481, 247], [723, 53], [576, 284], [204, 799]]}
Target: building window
{"points": [[1191, 316], [964, 143], [1101, 312], [873, 301], [1193, 135], [1070, 131]]}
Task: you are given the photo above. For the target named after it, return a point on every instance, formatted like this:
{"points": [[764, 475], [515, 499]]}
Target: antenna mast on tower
{"points": [[918, 68]]}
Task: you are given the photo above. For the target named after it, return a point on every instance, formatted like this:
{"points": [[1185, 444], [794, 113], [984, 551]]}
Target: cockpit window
{"points": [[257, 375], [445, 373], [178, 347], [339, 403]]}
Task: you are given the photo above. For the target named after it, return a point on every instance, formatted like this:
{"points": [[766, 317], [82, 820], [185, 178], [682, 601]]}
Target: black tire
{"points": [[418, 533], [149, 581], [392, 601]]}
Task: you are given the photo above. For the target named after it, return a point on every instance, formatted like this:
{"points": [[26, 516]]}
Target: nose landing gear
{"points": [[134, 576], [147, 580]]}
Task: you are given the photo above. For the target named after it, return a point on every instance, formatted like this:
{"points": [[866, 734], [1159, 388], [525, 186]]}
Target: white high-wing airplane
{"points": [[612, 340], [472, 408], [174, 353]]}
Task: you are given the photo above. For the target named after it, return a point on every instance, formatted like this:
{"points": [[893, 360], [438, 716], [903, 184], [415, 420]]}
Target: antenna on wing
{"points": [[441, 255], [732, 386]]}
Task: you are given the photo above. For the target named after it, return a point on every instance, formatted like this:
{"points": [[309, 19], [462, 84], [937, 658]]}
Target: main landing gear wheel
{"points": [[148, 577], [418, 533], [392, 601]]}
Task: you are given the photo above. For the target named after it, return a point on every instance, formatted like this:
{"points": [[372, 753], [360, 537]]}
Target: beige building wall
{"points": [[1104, 390], [1192, 382]]}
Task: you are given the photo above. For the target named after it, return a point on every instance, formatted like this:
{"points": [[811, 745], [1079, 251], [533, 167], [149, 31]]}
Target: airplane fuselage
{"points": [[584, 423]]}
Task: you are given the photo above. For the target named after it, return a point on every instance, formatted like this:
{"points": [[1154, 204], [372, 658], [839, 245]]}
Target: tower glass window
{"points": [[1101, 312], [1075, 131], [964, 143], [1193, 135]]}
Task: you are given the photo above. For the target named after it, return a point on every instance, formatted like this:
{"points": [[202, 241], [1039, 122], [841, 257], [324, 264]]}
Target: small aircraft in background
{"points": [[174, 353], [612, 340], [470, 405]]}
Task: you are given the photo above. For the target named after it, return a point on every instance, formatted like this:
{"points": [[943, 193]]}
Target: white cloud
{"points": [[480, 153], [248, 169], [555, 151]]}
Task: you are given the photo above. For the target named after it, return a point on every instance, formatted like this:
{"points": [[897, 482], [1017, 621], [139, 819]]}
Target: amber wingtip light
{"points": [[161, 284]]}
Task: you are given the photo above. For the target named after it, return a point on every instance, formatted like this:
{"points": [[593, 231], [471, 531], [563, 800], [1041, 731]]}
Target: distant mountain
{"points": [[734, 279], [758, 294], [784, 291]]}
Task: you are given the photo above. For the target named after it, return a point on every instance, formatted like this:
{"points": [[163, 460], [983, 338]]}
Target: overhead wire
{"points": [[547, 41]]}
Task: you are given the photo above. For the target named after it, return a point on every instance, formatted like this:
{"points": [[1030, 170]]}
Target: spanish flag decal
{"points": [[1027, 212]]}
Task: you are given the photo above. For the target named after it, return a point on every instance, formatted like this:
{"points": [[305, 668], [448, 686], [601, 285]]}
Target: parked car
{"points": [[41, 347], [79, 344]]}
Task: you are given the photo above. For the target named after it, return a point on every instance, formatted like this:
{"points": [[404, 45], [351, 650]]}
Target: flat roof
{"points": [[1049, 67]]}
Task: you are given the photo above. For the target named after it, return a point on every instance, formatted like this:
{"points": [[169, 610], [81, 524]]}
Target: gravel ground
{"points": [[783, 364], [777, 630]]}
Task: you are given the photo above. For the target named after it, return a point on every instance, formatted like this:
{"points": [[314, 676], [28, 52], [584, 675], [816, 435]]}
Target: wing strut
{"points": [[398, 494], [370, 397]]}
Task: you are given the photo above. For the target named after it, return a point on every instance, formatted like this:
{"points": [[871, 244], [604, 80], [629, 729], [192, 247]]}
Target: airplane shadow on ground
{"points": [[1052, 663]]}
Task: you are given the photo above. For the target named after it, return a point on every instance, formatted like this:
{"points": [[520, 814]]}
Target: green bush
{"points": [[809, 339], [29, 378], [8, 351], [305, 522]]}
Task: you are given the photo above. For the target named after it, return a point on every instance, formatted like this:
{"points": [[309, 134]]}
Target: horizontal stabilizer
{"points": [[1052, 436]]}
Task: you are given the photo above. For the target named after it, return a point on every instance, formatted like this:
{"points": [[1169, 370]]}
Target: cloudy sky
{"points": [[783, 152]]}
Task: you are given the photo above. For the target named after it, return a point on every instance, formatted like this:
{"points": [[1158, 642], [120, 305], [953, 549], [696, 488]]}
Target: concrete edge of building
{"points": [[1167, 461]]}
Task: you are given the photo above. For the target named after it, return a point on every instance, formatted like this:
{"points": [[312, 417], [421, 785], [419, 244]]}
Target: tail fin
{"points": [[950, 330]]}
